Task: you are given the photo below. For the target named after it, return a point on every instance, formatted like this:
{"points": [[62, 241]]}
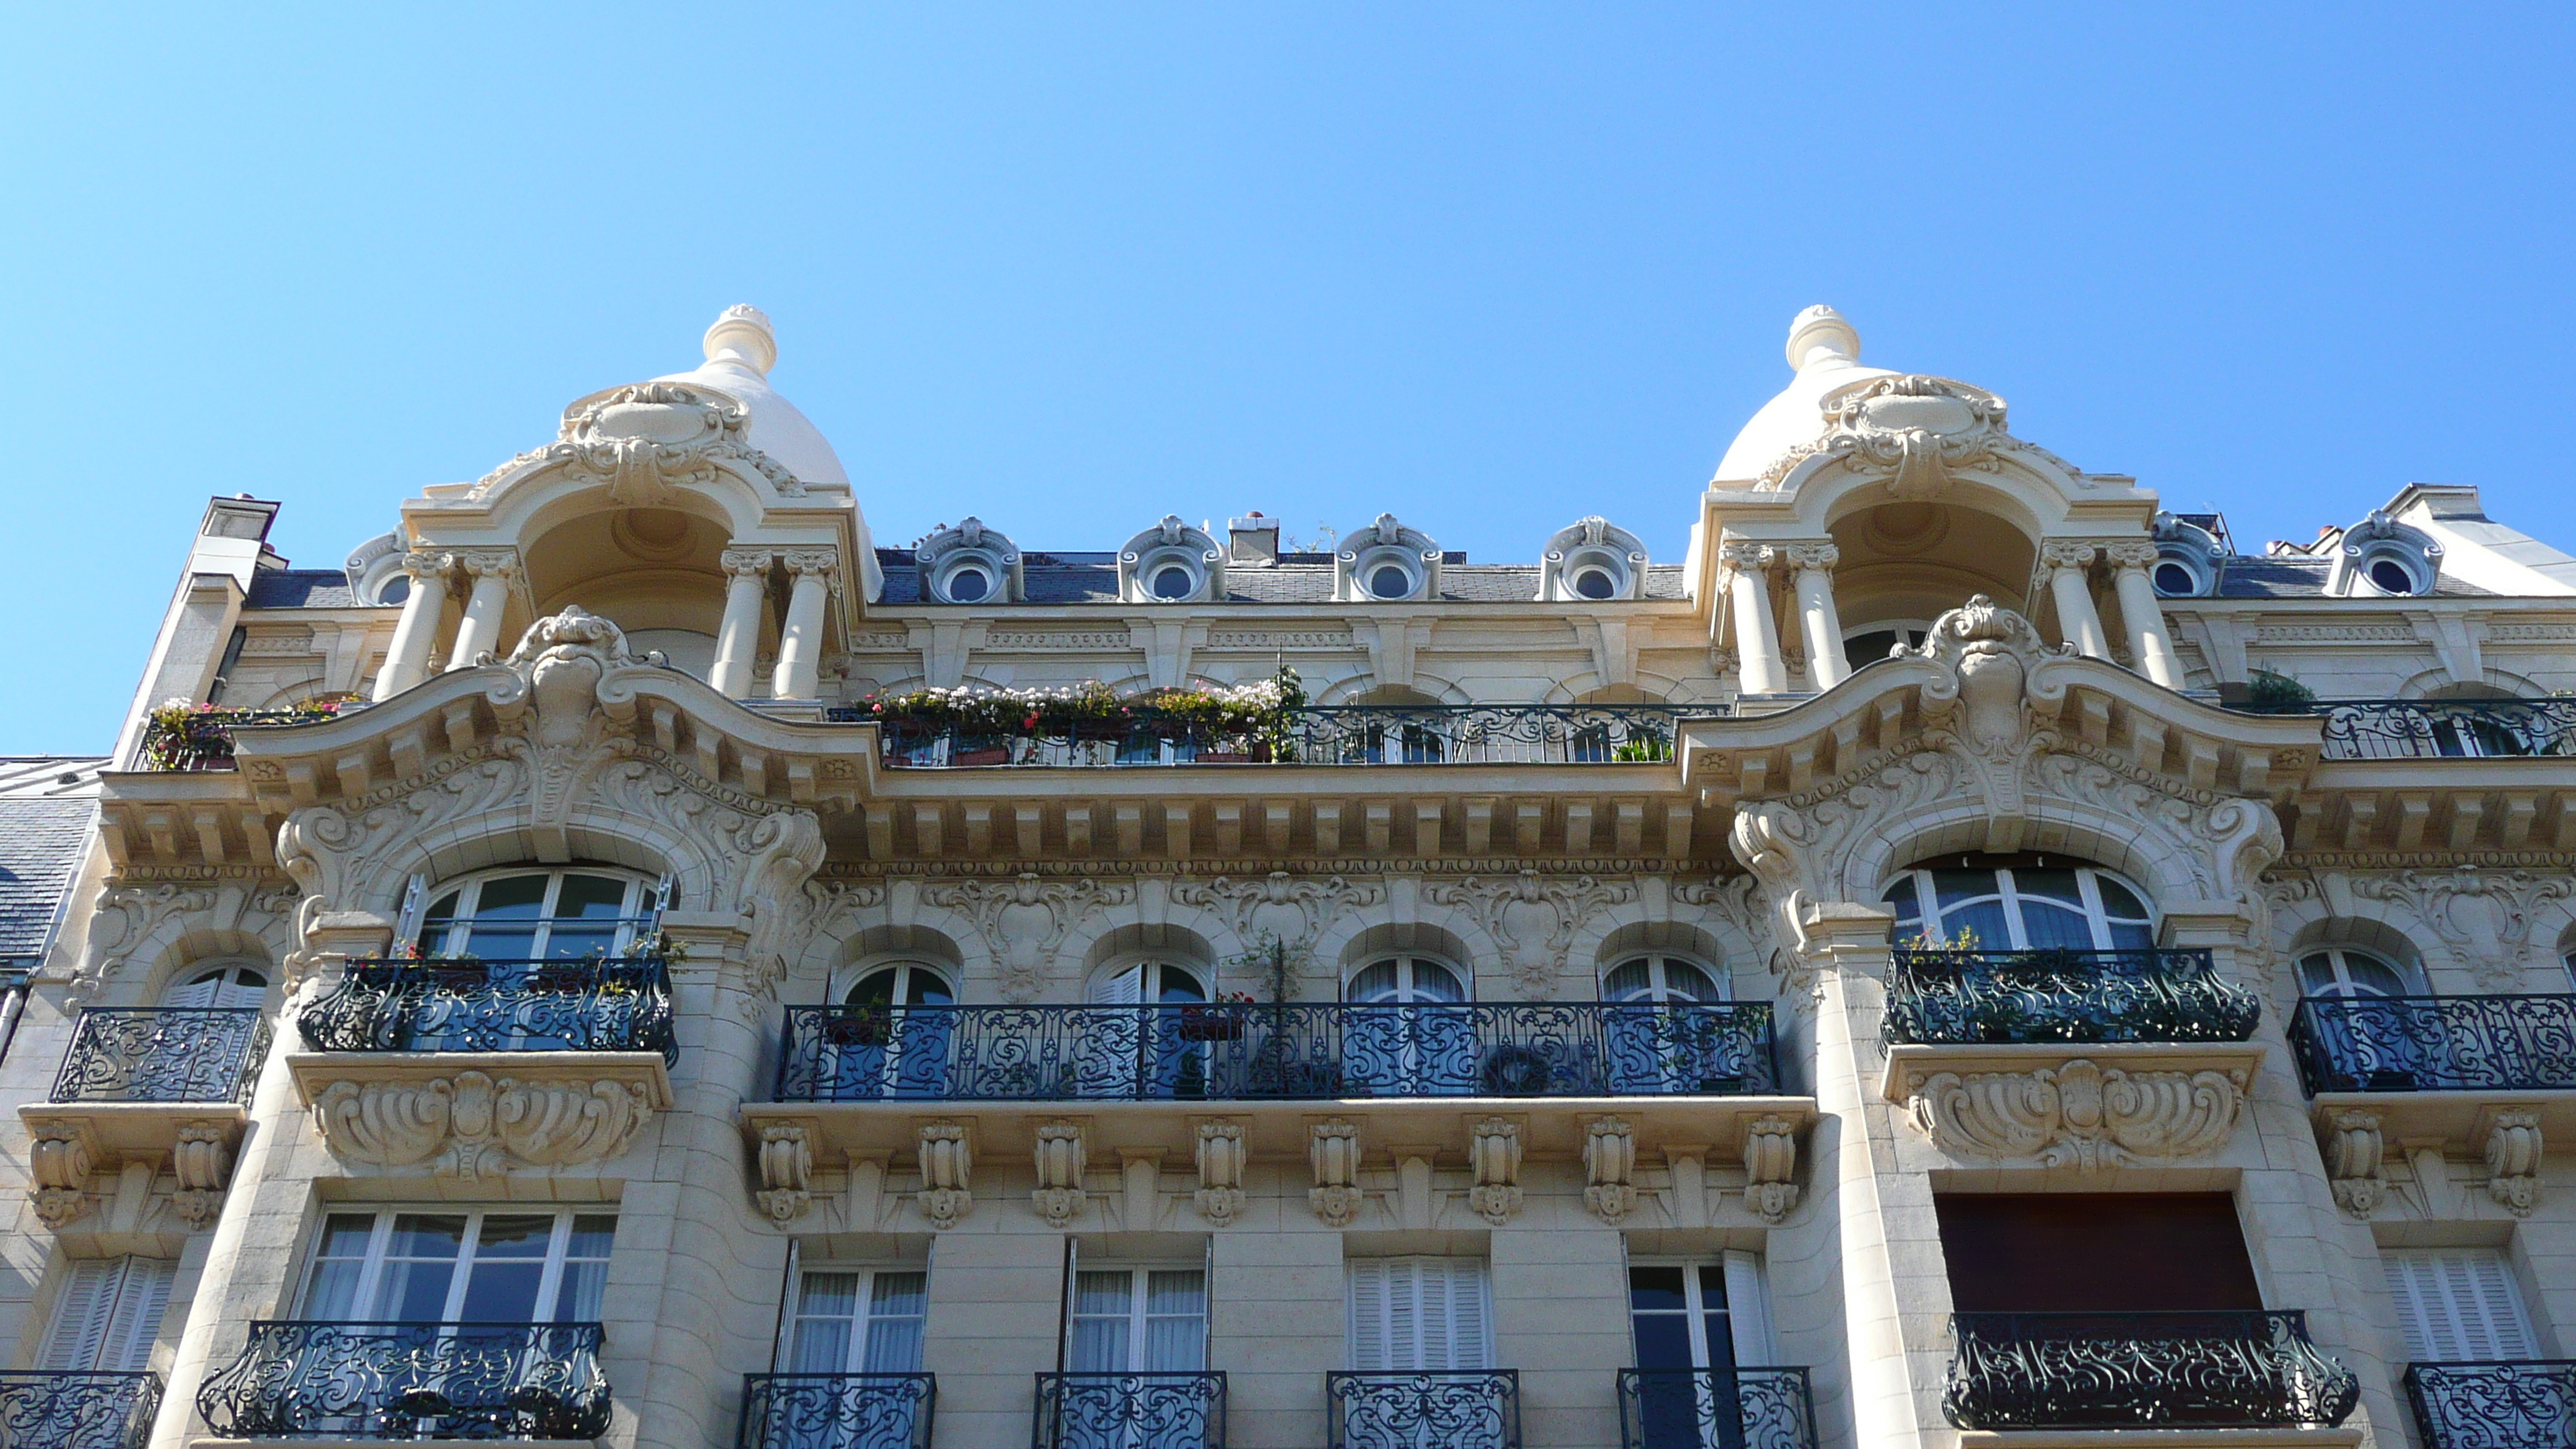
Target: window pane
{"points": [[511, 898], [577, 1296], [1656, 1290], [2045, 926], [1663, 1341], [1686, 982], [1377, 983], [591, 1235], [822, 1346], [2118, 900], [518, 1235], [503, 1290], [339, 1262], [1099, 1345], [1907, 903], [591, 898], [2372, 974], [1096, 1293], [1629, 981], [1176, 1292], [901, 1294], [1981, 923], [2051, 885], [2132, 937], [1435, 982], [1952, 888], [894, 1346], [877, 988], [420, 1264]]}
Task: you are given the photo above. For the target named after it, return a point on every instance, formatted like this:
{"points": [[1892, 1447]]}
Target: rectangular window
{"points": [[107, 1315], [858, 1321], [1420, 1314], [1138, 1320], [474, 1266], [2458, 1305], [1700, 1315], [2095, 1252]]}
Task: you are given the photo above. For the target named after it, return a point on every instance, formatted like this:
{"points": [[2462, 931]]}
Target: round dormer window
{"points": [[1390, 581], [967, 578], [394, 590], [2395, 572], [1595, 583], [968, 584], [1172, 581], [2177, 575]]}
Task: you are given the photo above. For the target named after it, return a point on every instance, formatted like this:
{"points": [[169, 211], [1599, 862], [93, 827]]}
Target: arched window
{"points": [[2343, 971], [1406, 979], [540, 914], [1661, 978], [2021, 903], [229, 984], [902, 983], [1147, 981]]}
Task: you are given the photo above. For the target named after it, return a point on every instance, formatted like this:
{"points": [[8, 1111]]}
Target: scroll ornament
{"points": [[474, 1125], [2079, 1114]]}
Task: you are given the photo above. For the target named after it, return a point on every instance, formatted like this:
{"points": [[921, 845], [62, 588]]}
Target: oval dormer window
{"points": [[1595, 583], [1388, 581], [969, 584], [2175, 580], [1172, 581], [2390, 576]]}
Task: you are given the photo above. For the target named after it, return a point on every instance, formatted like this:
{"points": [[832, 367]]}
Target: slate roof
{"points": [[41, 842], [1298, 578], [300, 589], [2244, 576]]}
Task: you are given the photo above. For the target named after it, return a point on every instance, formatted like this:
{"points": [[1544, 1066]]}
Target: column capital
{"points": [[741, 561], [1820, 557], [1745, 556], [488, 563], [429, 563], [2131, 553], [811, 560], [2068, 554]]}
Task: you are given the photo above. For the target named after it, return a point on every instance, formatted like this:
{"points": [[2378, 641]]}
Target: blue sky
{"points": [[1490, 267]]}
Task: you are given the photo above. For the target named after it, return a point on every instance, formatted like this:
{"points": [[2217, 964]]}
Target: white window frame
{"points": [[1371, 1351], [1407, 992], [636, 911], [1748, 1308], [229, 990], [2097, 916], [1660, 991], [371, 1271], [861, 1321], [906, 968], [121, 1303], [1108, 987], [2343, 987], [1139, 1316], [2459, 1305]]}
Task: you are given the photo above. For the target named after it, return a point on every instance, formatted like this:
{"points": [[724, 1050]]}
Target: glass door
{"points": [[1419, 1037]]}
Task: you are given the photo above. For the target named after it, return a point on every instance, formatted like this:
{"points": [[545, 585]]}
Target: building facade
{"points": [[1963, 957]]}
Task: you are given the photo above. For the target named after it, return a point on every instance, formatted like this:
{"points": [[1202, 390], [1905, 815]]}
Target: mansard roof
{"points": [[41, 843], [1298, 578]]}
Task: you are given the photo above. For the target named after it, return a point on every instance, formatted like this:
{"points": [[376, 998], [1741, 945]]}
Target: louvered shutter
{"points": [[1748, 1310], [1420, 1314], [1469, 1325], [141, 1300], [1124, 988], [1371, 1320], [81, 1315], [2458, 1304]]}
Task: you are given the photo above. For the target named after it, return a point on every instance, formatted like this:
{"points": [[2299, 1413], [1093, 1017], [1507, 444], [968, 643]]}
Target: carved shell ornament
{"points": [[648, 440]]}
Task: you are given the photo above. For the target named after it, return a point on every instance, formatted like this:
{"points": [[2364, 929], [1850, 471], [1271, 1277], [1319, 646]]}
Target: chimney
{"points": [[1253, 540]]}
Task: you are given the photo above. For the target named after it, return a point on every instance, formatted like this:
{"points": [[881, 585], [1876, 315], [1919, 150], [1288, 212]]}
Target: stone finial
{"points": [[1820, 335], [745, 334]]}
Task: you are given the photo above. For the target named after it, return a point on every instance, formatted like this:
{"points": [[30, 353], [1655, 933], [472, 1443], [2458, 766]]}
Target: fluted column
{"points": [[800, 641], [738, 637], [480, 632], [2149, 644], [2067, 564], [1822, 623], [416, 632], [1757, 638]]}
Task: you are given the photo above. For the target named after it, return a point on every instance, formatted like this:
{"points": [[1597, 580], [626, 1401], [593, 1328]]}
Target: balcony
{"points": [[2440, 729], [1473, 734], [194, 739], [2494, 1405], [2025, 997], [468, 1066], [2174, 1370], [1747, 1408], [837, 1411], [1469, 1410], [147, 1085], [1130, 1411], [2511, 1044], [412, 1381], [1297, 1051], [78, 1410]]}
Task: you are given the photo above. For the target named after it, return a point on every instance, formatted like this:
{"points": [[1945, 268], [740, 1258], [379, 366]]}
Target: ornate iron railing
{"points": [[2439, 729], [1480, 734], [2221, 1369], [1960, 997], [837, 1411], [412, 1381], [1744, 1408], [2435, 1043], [40, 1410], [1474, 1409], [584, 1004], [2494, 1404], [1130, 1411], [202, 739], [1228, 1051], [158, 1054]]}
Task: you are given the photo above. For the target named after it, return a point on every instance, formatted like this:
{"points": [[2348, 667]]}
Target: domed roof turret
{"points": [[740, 350], [1826, 353]]}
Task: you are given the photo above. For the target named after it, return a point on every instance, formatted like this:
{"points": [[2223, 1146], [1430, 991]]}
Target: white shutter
{"points": [[136, 1322], [193, 995], [1372, 1322], [1125, 988], [81, 1314], [1748, 1310], [1420, 1314], [2458, 1304], [1470, 1326]]}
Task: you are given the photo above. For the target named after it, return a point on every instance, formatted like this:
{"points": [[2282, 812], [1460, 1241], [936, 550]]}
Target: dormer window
{"points": [[2175, 579], [967, 584], [2383, 558], [969, 564], [1174, 581], [1171, 563], [1386, 563], [1595, 582], [1593, 561], [2188, 555], [1390, 581], [2390, 575]]}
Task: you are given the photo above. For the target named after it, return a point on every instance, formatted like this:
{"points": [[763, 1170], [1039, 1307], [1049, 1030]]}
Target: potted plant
{"points": [[1219, 1020]]}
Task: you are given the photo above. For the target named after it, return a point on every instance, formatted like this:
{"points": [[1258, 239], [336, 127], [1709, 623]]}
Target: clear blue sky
{"points": [[1490, 267]]}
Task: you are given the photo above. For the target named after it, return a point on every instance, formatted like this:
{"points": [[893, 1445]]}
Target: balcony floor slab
{"points": [[2319, 1438], [2460, 1120]]}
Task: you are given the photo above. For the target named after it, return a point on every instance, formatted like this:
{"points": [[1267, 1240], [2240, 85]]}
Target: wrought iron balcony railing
{"points": [[2203, 1370], [157, 1054], [1477, 734], [1986, 997], [1745, 1408], [2435, 1043], [583, 1004], [41, 1410], [2495, 1404], [837, 1411], [412, 1381], [202, 739], [1130, 1411], [1474, 1409], [2439, 729], [1310, 1051]]}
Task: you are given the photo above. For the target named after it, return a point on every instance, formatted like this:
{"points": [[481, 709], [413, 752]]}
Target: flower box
{"points": [[1204, 1025]]}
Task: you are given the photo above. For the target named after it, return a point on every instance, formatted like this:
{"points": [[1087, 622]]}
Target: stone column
{"points": [[492, 571], [1757, 639], [738, 637], [416, 633], [1826, 665], [800, 641], [2149, 644], [2067, 564]]}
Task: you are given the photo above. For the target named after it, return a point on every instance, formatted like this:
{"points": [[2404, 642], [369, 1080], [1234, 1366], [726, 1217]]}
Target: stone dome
{"points": [[740, 349], [1826, 353]]}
